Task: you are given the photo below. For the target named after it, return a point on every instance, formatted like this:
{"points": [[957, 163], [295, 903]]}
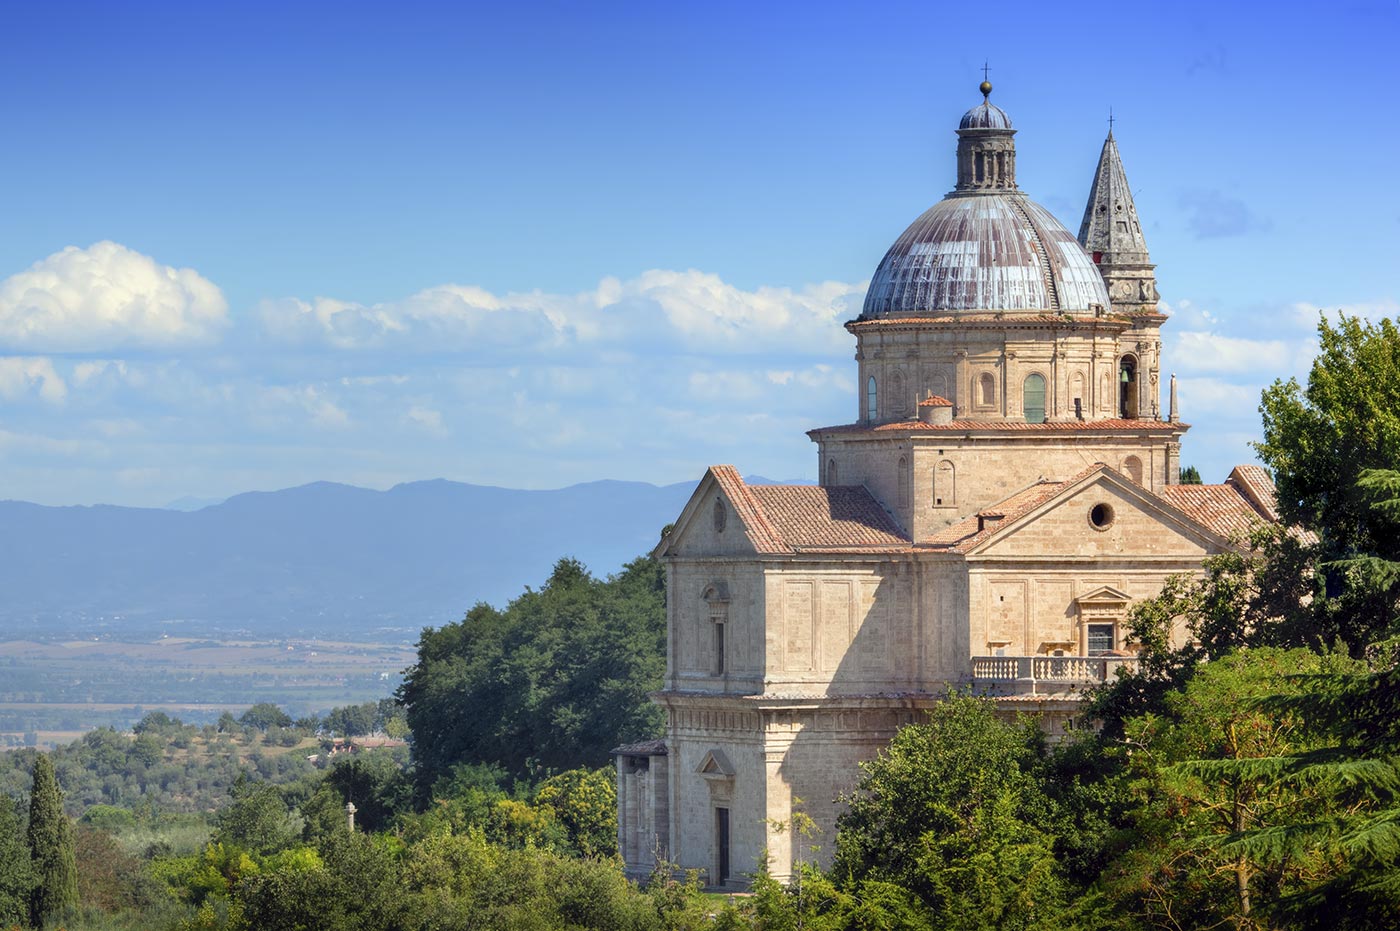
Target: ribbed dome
{"points": [[985, 116], [984, 251]]}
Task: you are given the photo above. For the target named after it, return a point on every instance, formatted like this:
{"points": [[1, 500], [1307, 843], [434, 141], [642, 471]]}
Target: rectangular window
{"points": [[1100, 638], [721, 846], [719, 648]]}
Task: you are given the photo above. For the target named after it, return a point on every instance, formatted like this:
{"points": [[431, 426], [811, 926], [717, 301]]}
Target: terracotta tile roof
{"points": [[756, 526], [1258, 485], [642, 748], [1225, 509], [834, 517], [970, 531], [1015, 426], [934, 400]]}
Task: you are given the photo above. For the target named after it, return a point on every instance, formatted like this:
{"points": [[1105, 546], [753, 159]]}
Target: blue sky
{"points": [[250, 245]]}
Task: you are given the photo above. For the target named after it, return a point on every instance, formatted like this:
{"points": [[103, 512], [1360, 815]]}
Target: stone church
{"points": [[1008, 488]]}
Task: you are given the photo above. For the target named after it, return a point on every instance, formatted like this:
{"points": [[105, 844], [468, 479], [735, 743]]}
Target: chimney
{"points": [[988, 518]]}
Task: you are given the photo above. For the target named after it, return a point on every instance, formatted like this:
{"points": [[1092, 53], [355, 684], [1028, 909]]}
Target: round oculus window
{"points": [[1101, 516]]}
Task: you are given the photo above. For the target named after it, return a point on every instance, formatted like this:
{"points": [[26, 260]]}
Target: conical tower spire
{"points": [[1112, 235], [1110, 227]]}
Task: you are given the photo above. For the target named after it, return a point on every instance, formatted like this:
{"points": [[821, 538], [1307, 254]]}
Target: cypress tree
{"points": [[50, 846], [16, 872]]}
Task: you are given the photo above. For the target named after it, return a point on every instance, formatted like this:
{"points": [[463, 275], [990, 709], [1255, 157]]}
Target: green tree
{"points": [[1353, 716], [1190, 475], [1318, 441], [584, 802], [264, 715], [351, 720], [1206, 772], [16, 870], [256, 819], [50, 840], [553, 682], [954, 812], [377, 785]]}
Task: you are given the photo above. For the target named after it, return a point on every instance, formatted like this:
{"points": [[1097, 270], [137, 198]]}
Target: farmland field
{"points": [[53, 691]]}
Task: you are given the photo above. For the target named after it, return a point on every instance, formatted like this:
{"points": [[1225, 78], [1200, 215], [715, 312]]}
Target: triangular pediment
{"points": [[716, 764], [1104, 596], [712, 522], [1100, 512]]}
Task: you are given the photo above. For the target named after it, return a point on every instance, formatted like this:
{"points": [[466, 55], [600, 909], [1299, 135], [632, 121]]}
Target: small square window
{"points": [[1100, 639]]}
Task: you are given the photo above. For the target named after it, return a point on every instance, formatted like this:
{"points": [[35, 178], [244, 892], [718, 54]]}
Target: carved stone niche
{"points": [[718, 774]]}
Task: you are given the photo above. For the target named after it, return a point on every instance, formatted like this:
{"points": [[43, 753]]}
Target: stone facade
{"points": [[1006, 492]]}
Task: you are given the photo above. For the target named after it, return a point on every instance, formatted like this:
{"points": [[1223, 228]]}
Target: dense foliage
{"points": [[555, 680]]}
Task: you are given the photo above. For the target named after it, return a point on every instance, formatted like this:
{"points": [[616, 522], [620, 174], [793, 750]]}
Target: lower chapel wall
{"points": [[714, 769]]}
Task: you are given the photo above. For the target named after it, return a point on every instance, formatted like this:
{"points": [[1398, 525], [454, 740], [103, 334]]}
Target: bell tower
{"points": [[1112, 235]]}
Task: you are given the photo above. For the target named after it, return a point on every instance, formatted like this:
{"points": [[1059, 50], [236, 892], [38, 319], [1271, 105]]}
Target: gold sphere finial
{"points": [[986, 88]]}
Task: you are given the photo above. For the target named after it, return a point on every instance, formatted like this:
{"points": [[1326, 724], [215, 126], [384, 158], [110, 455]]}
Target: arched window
{"points": [[903, 482], [720, 516], [945, 492], [1133, 467], [872, 407], [831, 472], [1034, 398], [1127, 385], [987, 390]]}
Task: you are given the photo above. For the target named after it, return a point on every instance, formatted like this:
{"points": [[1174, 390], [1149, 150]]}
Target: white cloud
{"points": [[108, 296], [685, 312], [307, 398], [20, 375], [1308, 314], [1213, 398], [427, 419], [1197, 351], [85, 372]]}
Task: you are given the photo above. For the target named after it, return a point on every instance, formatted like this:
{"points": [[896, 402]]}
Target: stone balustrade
{"points": [[1045, 675]]}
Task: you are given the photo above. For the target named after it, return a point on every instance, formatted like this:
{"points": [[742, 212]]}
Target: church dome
{"points": [[996, 252], [985, 116], [986, 245]]}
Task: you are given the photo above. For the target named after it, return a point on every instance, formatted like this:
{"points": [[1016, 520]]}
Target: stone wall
{"points": [[835, 628], [951, 474]]}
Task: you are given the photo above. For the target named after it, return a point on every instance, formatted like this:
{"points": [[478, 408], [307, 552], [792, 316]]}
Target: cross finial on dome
{"points": [[986, 87]]}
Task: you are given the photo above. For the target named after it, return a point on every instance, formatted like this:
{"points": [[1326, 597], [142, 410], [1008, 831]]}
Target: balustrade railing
{"points": [[1044, 674]]}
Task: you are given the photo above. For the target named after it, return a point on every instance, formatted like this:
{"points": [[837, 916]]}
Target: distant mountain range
{"points": [[321, 560]]}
